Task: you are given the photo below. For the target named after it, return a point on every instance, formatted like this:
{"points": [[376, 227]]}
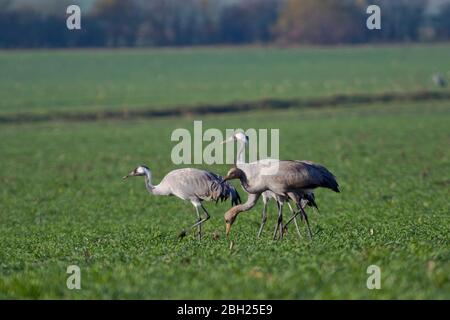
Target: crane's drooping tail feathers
{"points": [[223, 191], [328, 180], [235, 197], [229, 191]]}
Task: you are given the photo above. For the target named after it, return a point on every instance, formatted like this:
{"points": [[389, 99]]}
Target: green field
{"points": [[63, 202], [39, 81]]}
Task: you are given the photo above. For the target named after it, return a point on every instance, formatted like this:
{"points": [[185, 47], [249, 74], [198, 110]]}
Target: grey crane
{"points": [[300, 197], [192, 185], [289, 178], [266, 195], [439, 80]]}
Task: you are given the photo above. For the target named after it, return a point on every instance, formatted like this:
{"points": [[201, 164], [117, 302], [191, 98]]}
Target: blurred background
{"points": [[137, 23], [172, 51]]}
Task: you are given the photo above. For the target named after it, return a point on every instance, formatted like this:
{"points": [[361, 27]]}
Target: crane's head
{"points": [[237, 136], [230, 217], [139, 171], [234, 173]]}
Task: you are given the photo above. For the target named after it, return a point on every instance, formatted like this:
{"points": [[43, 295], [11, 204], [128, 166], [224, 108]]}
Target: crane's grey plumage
{"points": [[286, 179], [267, 195], [192, 185]]}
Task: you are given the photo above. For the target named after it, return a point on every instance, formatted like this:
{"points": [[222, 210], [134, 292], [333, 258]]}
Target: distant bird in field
{"points": [[439, 80], [192, 185]]}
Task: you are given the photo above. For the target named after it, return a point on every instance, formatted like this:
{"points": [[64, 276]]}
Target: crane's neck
{"points": [[148, 181], [250, 203], [240, 158], [244, 180]]}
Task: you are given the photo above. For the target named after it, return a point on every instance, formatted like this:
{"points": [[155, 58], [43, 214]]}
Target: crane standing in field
{"points": [[192, 185], [439, 80], [285, 178], [266, 195], [300, 197]]}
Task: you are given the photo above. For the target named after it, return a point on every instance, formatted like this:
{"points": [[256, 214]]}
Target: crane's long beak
{"points": [[227, 140], [228, 228], [131, 174]]}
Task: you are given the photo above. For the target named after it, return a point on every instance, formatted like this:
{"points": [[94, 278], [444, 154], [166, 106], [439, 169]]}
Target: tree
{"points": [[321, 22], [119, 20], [441, 23], [248, 21], [401, 19]]}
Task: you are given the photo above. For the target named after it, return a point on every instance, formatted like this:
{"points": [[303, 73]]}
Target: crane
{"points": [[301, 198], [266, 195], [292, 179], [192, 185]]}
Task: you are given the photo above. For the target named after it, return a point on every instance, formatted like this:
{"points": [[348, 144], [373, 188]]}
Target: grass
{"points": [[63, 202], [41, 81]]}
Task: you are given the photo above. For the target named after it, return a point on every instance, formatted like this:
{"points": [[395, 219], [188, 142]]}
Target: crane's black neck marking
{"points": [[148, 180], [244, 181]]}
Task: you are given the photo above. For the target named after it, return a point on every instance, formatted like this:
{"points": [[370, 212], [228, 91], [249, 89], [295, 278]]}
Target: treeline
{"points": [[114, 23]]}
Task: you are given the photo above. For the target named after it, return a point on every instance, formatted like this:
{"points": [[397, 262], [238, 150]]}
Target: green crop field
{"points": [[40, 81], [63, 202]]}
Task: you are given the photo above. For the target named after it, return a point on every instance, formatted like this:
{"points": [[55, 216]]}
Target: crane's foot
{"points": [[182, 234]]}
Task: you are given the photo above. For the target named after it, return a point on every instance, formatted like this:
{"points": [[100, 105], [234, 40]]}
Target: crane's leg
{"points": [[279, 225], [278, 222], [305, 217], [199, 222], [294, 217], [263, 220], [199, 227]]}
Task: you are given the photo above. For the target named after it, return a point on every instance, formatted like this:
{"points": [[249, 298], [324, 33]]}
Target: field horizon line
{"points": [[224, 108]]}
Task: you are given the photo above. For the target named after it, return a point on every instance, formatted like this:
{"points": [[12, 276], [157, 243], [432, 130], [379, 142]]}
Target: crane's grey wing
{"points": [[308, 175], [223, 190], [193, 183]]}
